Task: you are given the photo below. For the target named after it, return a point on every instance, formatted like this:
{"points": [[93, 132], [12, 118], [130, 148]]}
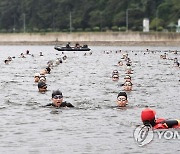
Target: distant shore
{"points": [[100, 43], [92, 39]]}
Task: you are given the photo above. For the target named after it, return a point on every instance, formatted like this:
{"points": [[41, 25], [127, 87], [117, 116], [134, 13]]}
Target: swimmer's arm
{"points": [[171, 123]]}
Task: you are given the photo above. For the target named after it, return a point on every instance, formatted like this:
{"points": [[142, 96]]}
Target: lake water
{"points": [[93, 126]]}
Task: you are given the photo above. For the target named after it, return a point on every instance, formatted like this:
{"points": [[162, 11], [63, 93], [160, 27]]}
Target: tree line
{"points": [[87, 15]]}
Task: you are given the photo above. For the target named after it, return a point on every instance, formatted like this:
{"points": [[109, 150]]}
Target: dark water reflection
{"points": [[93, 126]]}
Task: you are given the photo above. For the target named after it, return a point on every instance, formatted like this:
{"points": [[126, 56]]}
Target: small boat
{"points": [[81, 48]]}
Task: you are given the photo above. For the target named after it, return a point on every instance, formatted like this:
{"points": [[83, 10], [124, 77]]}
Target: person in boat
{"points": [[148, 117], [68, 45], [85, 46], [77, 45], [57, 100], [122, 99]]}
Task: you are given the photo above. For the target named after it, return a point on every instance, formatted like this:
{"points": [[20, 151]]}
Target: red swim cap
{"points": [[147, 114]]}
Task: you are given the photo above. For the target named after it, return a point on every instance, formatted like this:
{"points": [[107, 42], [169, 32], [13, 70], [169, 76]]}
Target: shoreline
{"points": [[92, 39], [97, 43]]}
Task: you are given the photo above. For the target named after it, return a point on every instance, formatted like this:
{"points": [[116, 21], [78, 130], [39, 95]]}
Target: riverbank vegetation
{"points": [[85, 15]]}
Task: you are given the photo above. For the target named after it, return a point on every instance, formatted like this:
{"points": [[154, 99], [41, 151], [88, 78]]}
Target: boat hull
{"points": [[71, 49]]}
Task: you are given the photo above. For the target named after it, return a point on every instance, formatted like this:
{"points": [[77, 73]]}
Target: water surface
{"points": [[93, 126]]}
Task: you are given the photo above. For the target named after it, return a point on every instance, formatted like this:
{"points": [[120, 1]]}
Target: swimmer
{"points": [[57, 100], [42, 78], [9, 58], [43, 72], [42, 87], [129, 70], [127, 86], [115, 72], [115, 77], [148, 117], [57, 62], [41, 54], [36, 77], [27, 52], [125, 55], [127, 78], [64, 57], [50, 63], [122, 99], [120, 63], [6, 61], [22, 55], [48, 70]]}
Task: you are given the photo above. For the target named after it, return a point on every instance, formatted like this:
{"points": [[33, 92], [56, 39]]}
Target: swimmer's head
{"points": [[122, 99], [127, 77], [42, 85], [36, 75], [115, 72], [56, 92], [48, 69], [42, 78], [148, 115], [122, 94]]}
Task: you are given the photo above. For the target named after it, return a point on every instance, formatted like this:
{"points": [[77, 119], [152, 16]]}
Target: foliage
{"points": [[93, 15]]}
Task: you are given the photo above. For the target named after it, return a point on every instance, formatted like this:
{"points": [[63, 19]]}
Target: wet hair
{"points": [[5, 61], [122, 94], [48, 69], [41, 84], [128, 64], [115, 72], [56, 92]]}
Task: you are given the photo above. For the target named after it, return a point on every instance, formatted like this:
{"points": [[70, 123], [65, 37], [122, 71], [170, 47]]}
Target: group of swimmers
{"points": [[127, 85], [148, 115], [40, 79], [22, 55], [8, 60], [176, 63]]}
